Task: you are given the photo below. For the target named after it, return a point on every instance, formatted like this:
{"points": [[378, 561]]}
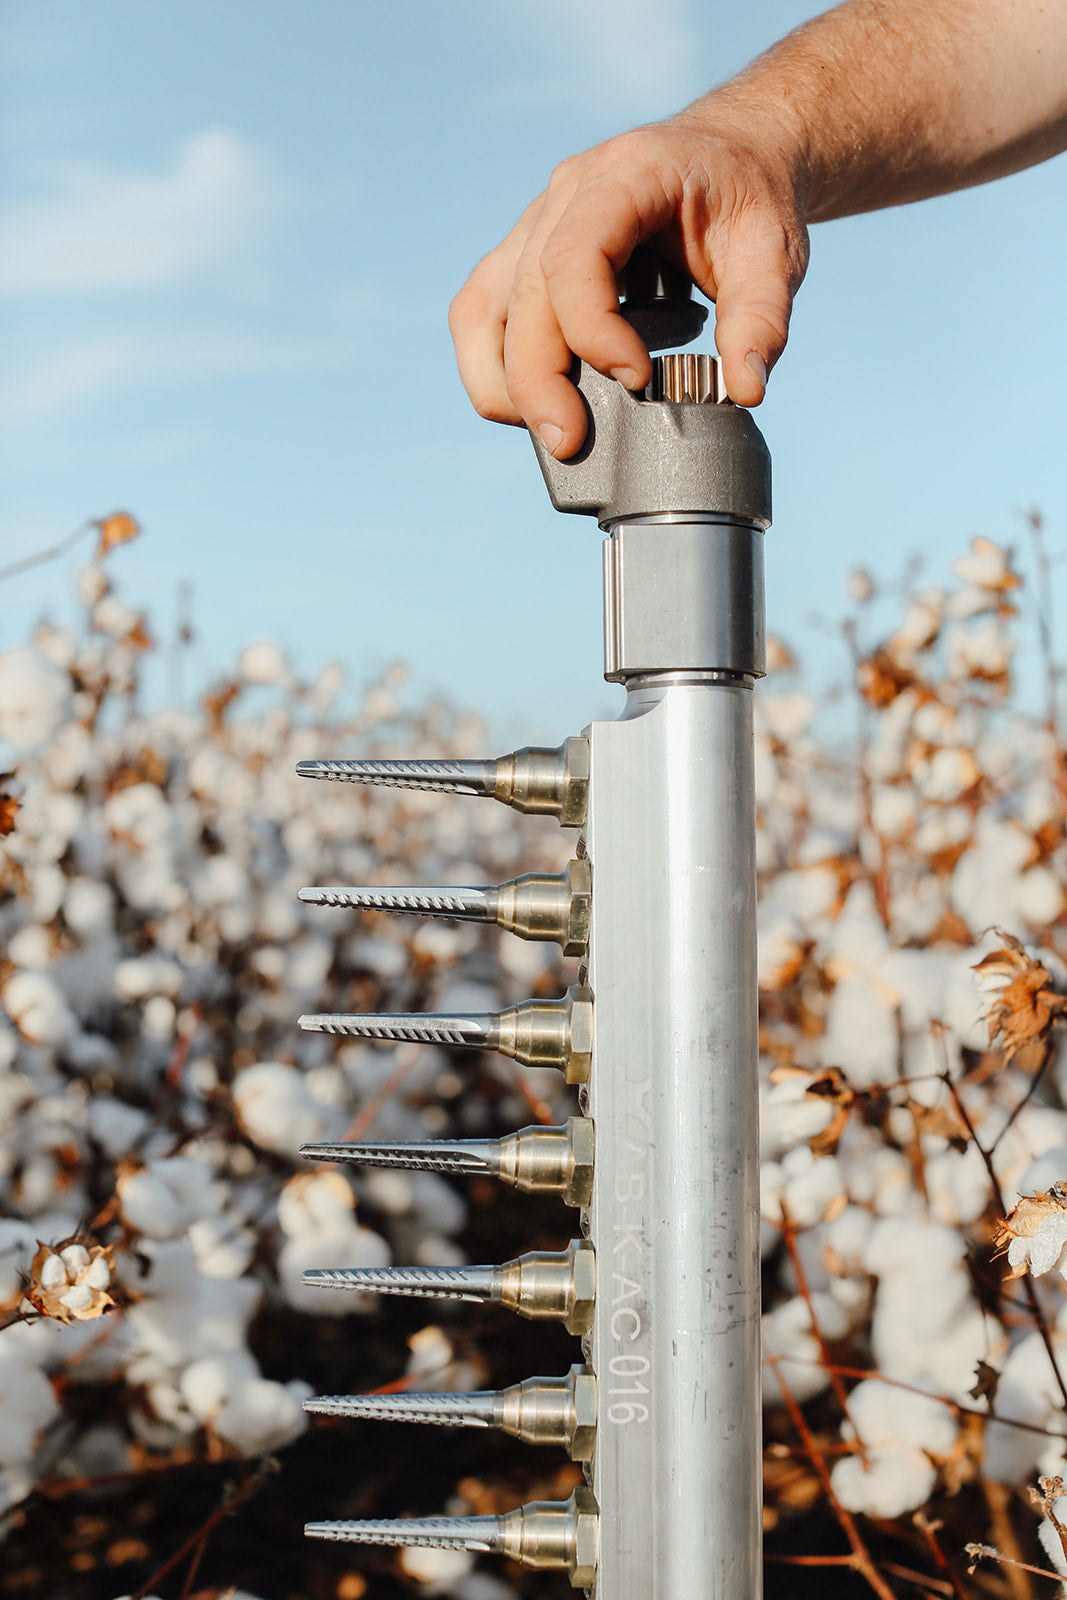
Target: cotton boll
{"points": [[786, 716], [115, 1126], [141, 976], [275, 1108], [88, 907], [1028, 1392], [35, 1003], [31, 947], [263, 1415], [162, 1199], [896, 1478], [988, 566], [223, 1248], [789, 1115], [348, 1246], [787, 1334], [431, 1351], [813, 1186], [319, 1202], [957, 1185], [780, 952], [263, 662], [27, 1405], [437, 1201], [34, 698], [893, 810], [435, 1250], [883, 1413], [948, 774], [861, 1033], [436, 1571], [388, 1191], [1039, 897]]}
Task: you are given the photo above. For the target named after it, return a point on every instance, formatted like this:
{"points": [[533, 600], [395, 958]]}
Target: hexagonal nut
{"points": [[583, 1391], [586, 1539], [579, 908], [579, 1318], [580, 1032], [578, 1186]]}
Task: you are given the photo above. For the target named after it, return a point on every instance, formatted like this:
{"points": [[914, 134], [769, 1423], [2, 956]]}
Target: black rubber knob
{"points": [[657, 301]]}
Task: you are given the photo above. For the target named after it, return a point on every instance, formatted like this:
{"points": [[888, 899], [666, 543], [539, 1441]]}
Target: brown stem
{"points": [[789, 1234], [985, 1552], [231, 1501], [929, 1531], [25, 563], [406, 1058], [861, 1556], [1040, 1321]]}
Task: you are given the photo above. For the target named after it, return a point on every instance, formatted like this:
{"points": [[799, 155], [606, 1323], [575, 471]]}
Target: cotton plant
{"points": [[155, 1090]]}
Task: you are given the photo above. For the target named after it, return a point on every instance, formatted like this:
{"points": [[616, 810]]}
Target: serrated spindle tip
{"points": [[441, 1410], [470, 905], [454, 777], [428, 1155], [439, 1533], [474, 1284], [415, 1028]]}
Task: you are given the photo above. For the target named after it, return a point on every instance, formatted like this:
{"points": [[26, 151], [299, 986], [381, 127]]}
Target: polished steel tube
{"points": [[675, 1342]]}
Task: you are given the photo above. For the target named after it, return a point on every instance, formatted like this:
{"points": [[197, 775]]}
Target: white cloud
{"points": [[104, 227], [630, 59], [97, 368]]}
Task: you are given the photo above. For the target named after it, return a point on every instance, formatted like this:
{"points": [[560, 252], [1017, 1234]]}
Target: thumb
{"points": [[756, 280]]}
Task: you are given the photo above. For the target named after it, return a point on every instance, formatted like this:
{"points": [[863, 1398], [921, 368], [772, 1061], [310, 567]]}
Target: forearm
{"points": [[879, 102]]}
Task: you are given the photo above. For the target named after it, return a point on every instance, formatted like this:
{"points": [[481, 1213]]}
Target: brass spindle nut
{"points": [[583, 1389], [586, 1539], [580, 1033], [553, 1285]]}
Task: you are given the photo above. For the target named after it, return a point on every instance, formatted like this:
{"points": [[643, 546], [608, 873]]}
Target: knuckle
{"points": [[491, 409], [566, 172]]}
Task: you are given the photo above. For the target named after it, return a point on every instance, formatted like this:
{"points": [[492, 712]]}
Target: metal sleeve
{"points": [[673, 1093]]}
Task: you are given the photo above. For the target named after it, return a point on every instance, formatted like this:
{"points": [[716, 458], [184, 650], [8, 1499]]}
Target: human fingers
{"points": [[477, 319], [757, 272], [564, 300]]}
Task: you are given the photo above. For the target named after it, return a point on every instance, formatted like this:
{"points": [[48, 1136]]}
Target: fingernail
{"points": [[627, 377], [758, 367], [550, 436]]}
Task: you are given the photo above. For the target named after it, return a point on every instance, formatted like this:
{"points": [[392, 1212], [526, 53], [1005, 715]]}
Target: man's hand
{"points": [[711, 201], [875, 103]]}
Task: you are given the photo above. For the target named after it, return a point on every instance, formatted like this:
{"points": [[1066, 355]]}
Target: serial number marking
{"points": [[629, 1249]]}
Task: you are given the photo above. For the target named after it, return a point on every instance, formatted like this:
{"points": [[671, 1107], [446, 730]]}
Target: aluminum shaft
{"points": [[558, 1285], [673, 1086], [540, 1033], [536, 1160], [559, 1536], [553, 906], [546, 782], [559, 1411]]}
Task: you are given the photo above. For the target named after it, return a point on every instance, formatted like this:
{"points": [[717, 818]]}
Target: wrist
{"points": [[760, 122]]}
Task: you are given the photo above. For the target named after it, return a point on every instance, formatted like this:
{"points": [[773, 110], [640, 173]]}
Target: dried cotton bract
{"points": [[1034, 1233], [69, 1282]]}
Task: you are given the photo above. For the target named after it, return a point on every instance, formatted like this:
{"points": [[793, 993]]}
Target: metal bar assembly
{"points": [[662, 1286]]}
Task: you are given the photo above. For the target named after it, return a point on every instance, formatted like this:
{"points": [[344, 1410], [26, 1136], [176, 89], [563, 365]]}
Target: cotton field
{"points": [[156, 1219]]}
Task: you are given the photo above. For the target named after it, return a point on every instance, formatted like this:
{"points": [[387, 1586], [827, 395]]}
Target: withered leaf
{"points": [[118, 528], [1027, 1006], [9, 805], [986, 1379]]}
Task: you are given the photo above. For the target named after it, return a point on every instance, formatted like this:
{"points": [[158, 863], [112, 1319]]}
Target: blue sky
{"points": [[228, 239]]}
